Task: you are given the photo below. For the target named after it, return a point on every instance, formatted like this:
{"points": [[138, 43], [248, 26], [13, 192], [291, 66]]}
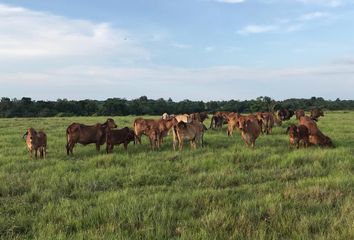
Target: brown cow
{"points": [[316, 136], [298, 134], [266, 121], [250, 129], [86, 134], [316, 113], [36, 141], [299, 113], [153, 133], [193, 132], [162, 126], [285, 114], [117, 137], [199, 116]]}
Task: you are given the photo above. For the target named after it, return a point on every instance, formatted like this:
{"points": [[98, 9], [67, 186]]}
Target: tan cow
{"points": [[184, 118], [37, 142], [250, 129], [192, 131]]}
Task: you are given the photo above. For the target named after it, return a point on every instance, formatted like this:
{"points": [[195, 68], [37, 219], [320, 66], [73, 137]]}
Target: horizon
{"points": [[200, 50]]}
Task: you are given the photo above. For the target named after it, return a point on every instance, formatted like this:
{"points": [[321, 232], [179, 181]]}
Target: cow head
{"points": [[328, 142], [110, 123], [242, 123], [31, 134], [292, 130]]}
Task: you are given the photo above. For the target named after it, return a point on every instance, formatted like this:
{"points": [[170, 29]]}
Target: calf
{"points": [[298, 134], [119, 136], [250, 129], [36, 141]]}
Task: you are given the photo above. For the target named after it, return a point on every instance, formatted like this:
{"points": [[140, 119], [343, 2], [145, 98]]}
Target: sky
{"points": [[179, 49]]}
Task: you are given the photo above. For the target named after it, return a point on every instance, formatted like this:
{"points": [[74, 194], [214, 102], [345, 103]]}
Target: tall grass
{"points": [[223, 191]]}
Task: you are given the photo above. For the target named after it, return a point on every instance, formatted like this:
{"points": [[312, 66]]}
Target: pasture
{"points": [[223, 191]]}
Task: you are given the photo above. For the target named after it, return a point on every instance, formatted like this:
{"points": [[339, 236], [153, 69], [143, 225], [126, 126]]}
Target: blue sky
{"points": [[185, 49]]}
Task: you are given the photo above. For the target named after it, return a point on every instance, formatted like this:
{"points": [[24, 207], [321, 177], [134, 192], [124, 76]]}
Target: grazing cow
{"points": [[266, 121], [298, 134], [192, 131], [316, 113], [316, 136], [119, 136], [299, 113], [84, 134], [250, 129], [36, 141], [285, 114]]}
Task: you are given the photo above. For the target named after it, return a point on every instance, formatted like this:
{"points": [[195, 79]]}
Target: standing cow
{"points": [[84, 134], [36, 141]]}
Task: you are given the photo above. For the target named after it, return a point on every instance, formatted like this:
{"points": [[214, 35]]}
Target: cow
{"points": [[299, 113], [298, 134], [266, 121], [232, 122], [153, 133], [165, 116], [285, 114], [250, 129], [316, 136], [184, 118], [87, 134], [192, 131], [117, 137], [37, 142], [162, 126], [199, 116], [218, 119], [316, 113]]}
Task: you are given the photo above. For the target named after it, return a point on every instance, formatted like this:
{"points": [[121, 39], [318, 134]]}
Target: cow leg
{"points": [[180, 145], [67, 148], [125, 146], [36, 153]]}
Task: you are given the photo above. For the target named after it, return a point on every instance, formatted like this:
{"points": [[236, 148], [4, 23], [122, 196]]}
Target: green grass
{"points": [[223, 191]]}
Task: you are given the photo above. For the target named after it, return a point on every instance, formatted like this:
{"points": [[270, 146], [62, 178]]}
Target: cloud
{"points": [[327, 3], [230, 1], [31, 34], [251, 29], [181, 45], [284, 25], [312, 16]]}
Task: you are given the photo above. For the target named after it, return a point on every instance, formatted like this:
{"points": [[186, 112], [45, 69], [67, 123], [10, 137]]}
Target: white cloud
{"points": [[181, 45], [327, 3], [251, 29], [27, 33], [230, 1], [312, 16]]}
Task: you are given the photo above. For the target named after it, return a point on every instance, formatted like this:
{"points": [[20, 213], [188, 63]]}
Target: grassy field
{"points": [[223, 191]]}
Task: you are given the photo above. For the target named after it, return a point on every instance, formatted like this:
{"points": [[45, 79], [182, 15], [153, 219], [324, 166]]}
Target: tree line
{"points": [[26, 107]]}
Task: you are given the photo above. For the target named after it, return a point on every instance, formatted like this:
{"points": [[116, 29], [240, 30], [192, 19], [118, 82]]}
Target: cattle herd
{"points": [[186, 127]]}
